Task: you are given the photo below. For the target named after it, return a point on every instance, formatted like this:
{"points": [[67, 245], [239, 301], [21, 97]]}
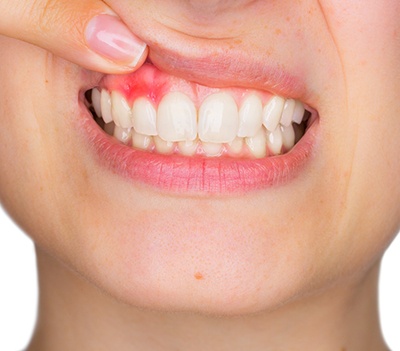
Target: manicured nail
{"points": [[109, 37]]}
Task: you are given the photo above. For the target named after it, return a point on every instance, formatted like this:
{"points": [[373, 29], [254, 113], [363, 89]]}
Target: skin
{"points": [[295, 267]]}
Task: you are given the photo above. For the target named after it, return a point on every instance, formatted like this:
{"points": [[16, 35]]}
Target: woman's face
{"points": [[219, 234]]}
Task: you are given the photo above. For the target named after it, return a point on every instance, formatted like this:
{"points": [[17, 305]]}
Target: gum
{"points": [[150, 82]]}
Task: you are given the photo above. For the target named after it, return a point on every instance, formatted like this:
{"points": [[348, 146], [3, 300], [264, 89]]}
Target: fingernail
{"points": [[109, 37]]}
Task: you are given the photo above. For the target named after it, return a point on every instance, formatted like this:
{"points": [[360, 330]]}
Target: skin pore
{"points": [[126, 266]]}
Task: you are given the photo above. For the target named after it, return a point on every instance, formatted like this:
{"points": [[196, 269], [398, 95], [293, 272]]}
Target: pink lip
{"points": [[198, 175]]}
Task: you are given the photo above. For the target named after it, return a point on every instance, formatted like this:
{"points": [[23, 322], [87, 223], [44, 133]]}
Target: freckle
{"points": [[278, 31], [199, 276], [287, 19]]}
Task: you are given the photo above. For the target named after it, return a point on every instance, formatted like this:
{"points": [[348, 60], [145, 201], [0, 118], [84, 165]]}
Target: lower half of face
{"points": [[227, 176]]}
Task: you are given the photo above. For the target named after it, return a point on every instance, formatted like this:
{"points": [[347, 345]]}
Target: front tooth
{"points": [[144, 117], [123, 134], [176, 118], [96, 101], [141, 141], [105, 102], [120, 110], [258, 144], [162, 146], [272, 112], [275, 141], [287, 114], [250, 116], [218, 119], [188, 147], [288, 137], [298, 112]]}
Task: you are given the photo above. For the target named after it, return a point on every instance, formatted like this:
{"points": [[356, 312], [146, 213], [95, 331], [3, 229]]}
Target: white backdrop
{"points": [[18, 289]]}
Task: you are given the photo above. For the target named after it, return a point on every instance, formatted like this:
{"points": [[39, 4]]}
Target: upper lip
{"points": [[219, 67], [222, 62]]}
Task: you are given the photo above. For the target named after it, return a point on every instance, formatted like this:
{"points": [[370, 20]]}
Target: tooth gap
{"points": [[88, 103], [88, 96], [306, 116]]}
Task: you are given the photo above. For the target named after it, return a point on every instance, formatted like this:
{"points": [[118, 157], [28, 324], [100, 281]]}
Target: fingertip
{"points": [[107, 36]]}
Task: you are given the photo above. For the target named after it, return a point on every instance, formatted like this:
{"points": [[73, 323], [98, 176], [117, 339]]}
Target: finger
{"points": [[87, 32]]}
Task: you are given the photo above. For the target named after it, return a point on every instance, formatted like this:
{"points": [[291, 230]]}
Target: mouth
{"points": [[179, 136]]}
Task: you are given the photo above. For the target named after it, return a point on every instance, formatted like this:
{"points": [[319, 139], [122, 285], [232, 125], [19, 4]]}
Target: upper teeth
{"points": [[218, 121]]}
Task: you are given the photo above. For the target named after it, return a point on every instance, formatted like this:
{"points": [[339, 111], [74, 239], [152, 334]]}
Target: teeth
{"points": [[162, 146], [258, 144], [236, 145], [288, 137], [212, 149], [144, 117], [120, 110], [275, 141], [272, 113], [218, 119], [122, 134], [221, 128], [250, 116], [96, 101], [188, 148], [105, 103], [141, 141], [298, 112], [176, 118], [287, 114]]}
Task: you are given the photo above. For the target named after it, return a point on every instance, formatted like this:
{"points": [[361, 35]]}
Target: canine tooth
{"points": [[288, 137], [96, 101], [188, 147], [109, 128], [272, 112], [141, 141], [123, 134], [120, 110], [250, 116], [176, 118], [212, 149], [298, 112], [258, 144], [218, 119], [105, 102], [274, 141], [287, 114], [144, 117], [162, 146], [236, 145]]}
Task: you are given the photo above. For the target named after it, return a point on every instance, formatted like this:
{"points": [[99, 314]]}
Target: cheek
{"points": [[38, 153]]}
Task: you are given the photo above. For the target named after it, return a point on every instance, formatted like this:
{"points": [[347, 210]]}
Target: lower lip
{"points": [[196, 175]]}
